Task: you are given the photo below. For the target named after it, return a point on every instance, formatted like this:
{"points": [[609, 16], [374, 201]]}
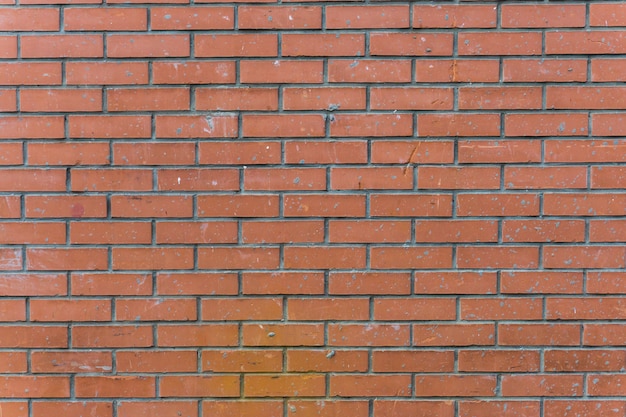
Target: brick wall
{"points": [[327, 208]]}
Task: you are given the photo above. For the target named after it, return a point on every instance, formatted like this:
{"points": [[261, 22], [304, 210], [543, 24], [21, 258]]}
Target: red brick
{"points": [[319, 309], [62, 46], [326, 361], [196, 283], [111, 284], [398, 385], [115, 386], [196, 232], [605, 282], [111, 180], [114, 336], [12, 285], [608, 69], [358, 335], [517, 257], [279, 17], [204, 335], [355, 231], [398, 408], [101, 126], [68, 153], [582, 204], [71, 362], [34, 387], [409, 205], [148, 99], [500, 98], [604, 335], [562, 124], [197, 180], [162, 153], [412, 361], [271, 179], [410, 44], [8, 46], [284, 71], [324, 98], [542, 385], [282, 334], [152, 258], [417, 257], [458, 231], [147, 46], [236, 45], [63, 259], [69, 409], [238, 257], [282, 231], [499, 361], [156, 361], [586, 150], [32, 233], [192, 18], [30, 73], [455, 385], [584, 257], [320, 205], [160, 408], [100, 19], [607, 177], [511, 308], [283, 125], [545, 178], [304, 385], [544, 70], [11, 153], [228, 99], [453, 335], [500, 43], [70, 310], [196, 126], [238, 205], [545, 334], [242, 360], [371, 16], [322, 44], [25, 180], [444, 124], [457, 70], [8, 100], [414, 309], [454, 16], [454, 282], [142, 206], [325, 152], [584, 360], [194, 72], [29, 19], [13, 310], [543, 230], [20, 409], [369, 71], [587, 408], [411, 98], [227, 309], [248, 408], [463, 178], [106, 73], [72, 206], [34, 336], [488, 151], [32, 127], [585, 98], [496, 408], [542, 15], [371, 178], [590, 42], [155, 309], [266, 283], [541, 282], [324, 257]]}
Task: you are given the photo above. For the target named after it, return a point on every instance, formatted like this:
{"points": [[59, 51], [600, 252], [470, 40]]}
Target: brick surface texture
{"points": [[299, 208]]}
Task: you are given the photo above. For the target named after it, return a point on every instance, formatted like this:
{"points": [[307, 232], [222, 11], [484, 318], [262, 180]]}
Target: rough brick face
{"points": [[264, 208]]}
